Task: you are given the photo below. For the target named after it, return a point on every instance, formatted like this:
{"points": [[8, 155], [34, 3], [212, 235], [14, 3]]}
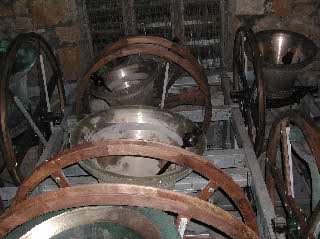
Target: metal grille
{"points": [[197, 23], [106, 22], [153, 17], [202, 21]]}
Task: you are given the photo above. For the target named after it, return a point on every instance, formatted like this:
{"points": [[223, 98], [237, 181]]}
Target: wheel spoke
{"points": [[165, 84], [190, 97], [60, 179], [30, 120], [207, 192], [287, 159], [44, 78]]}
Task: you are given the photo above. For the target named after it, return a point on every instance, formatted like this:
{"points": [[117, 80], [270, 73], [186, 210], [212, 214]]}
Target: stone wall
{"points": [[301, 16], [63, 23]]}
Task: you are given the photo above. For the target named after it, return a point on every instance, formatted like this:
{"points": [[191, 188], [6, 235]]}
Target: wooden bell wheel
{"points": [[250, 93], [217, 178], [279, 176], [125, 195], [28, 106], [165, 49]]}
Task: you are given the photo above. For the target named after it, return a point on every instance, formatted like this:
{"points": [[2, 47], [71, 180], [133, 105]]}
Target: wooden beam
{"points": [[177, 19]]}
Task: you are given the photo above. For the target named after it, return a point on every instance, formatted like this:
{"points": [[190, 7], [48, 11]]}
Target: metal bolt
{"points": [[211, 190], [58, 179]]}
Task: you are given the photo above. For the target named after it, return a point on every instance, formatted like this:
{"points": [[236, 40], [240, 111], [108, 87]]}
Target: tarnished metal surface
{"points": [[130, 82], [275, 181], [119, 78], [61, 226], [155, 46], [120, 194], [139, 123], [140, 148], [275, 45], [284, 55], [251, 95], [6, 70]]}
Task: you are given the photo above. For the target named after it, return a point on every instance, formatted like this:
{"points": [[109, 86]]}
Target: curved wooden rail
{"points": [[251, 97], [154, 46], [217, 178], [124, 195], [280, 182], [6, 72]]}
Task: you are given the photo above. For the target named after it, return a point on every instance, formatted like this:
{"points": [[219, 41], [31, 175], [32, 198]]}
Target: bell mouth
{"points": [[284, 49], [125, 76], [139, 123], [93, 222], [129, 82]]}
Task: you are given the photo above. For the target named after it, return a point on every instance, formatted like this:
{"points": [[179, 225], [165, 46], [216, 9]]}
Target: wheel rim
{"points": [[7, 68], [251, 97], [154, 46], [278, 182]]}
